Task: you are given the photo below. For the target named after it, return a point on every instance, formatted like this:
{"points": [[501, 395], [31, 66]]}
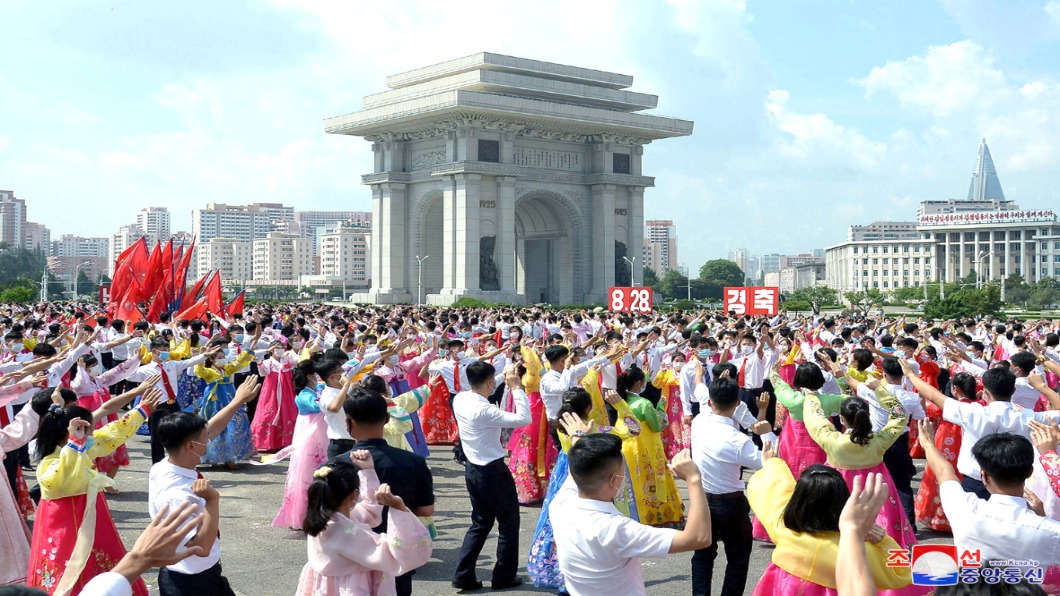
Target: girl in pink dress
{"points": [[345, 556], [309, 447], [274, 420]]}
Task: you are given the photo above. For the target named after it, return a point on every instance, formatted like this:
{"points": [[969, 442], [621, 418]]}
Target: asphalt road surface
{"points": [[260, 560]]}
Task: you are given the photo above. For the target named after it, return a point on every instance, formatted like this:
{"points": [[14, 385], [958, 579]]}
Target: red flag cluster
{"points": [[148, 283]]}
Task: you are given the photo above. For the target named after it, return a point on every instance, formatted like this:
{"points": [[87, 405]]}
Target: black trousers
{"points": [[11, 471], [119, 387], [493, 499], [730, 523], [237, 380], [173, 583], [750, 398], [971, 485], [337, 447], [651, 393], [900, 464], [157, 451], [403, 584]]}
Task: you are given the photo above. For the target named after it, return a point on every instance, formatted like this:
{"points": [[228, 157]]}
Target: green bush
{"points": [[17, 294], [685, 305], [470, 303]]}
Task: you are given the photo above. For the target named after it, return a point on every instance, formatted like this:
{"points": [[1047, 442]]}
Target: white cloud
{"points": [[816, 139], [945, 80]]}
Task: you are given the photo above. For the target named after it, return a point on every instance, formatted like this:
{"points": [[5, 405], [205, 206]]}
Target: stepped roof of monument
{"points": [[511, 94]]}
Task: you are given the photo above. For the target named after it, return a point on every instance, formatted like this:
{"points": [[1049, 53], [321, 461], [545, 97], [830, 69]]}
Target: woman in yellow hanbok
{"points": [[234, 443], [658, 502]]}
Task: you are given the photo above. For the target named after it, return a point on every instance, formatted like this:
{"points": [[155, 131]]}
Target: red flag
{"points": [[127, 309], [193, 294], [180, 277], [153, 272], [215, 302], [195, 311], [235, 307], [126, 278]]}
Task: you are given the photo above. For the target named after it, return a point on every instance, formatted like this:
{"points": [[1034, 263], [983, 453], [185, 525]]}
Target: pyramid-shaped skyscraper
{"points": [[985, 185]]}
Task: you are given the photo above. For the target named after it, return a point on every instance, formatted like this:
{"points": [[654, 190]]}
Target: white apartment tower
{"points": [[232, 257], [282, 258], [345, 253], [660, 245], [154, 221], [241, 222]]}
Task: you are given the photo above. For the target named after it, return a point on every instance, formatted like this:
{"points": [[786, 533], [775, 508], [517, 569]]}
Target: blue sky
{"points": [[810, 116]]}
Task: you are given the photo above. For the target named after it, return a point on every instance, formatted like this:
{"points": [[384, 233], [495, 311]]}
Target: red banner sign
{"points": [[104, 294], [629, 299], [752, 301]]}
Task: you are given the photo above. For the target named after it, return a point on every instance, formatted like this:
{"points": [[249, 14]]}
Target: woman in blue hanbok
{"points": [[234, 443]]}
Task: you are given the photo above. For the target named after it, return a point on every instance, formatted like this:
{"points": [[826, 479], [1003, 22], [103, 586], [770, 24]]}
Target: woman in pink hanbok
{"points": [[309, 447], [345, 556], [276, 414], [14, 533], [91, 385]]}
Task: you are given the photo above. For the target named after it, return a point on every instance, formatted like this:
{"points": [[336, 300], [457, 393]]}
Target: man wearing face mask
{"points": [[701, 349], [175, 481], [753, 361], [168, 371]]}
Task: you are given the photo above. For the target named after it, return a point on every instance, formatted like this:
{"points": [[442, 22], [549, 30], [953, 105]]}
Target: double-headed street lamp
{"points": [[632, 279], [73, 281], [419, 278]]}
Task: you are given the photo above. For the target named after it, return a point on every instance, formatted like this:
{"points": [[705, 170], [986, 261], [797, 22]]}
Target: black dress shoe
{"points": [[514, 583], [469, 586]]}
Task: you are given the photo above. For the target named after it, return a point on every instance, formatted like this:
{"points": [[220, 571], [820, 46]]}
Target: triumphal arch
{"points": [[506, 179]]}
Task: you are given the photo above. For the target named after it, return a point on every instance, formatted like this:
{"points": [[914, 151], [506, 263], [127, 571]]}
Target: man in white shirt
{"points": [[599, 549], [976, 422], [1002, 526], [720, 451], [563, 375], [1030, 385], [897, 458], [175, 481], [169, 372], [753, 361], [489, 482]]}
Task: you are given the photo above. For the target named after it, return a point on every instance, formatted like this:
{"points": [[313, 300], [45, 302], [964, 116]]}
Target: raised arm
{"points": [[924, 388], [938, 463]]}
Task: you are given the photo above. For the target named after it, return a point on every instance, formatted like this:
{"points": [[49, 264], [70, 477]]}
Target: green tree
{"points": [[723, 272], [672, 285], [815, 296], [1045, 293], [1017, 291], [964, 303], [865, 300], [17, 294], [651, 279]]}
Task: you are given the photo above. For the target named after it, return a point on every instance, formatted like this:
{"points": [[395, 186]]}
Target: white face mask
{"points": [[746, 350], [95, 370]]}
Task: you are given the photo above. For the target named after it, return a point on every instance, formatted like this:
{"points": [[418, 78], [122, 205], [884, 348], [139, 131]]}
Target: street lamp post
{"points": [[419, 278], [631, 272], [73, 282], [979, 281], [942, 284], [688, 281]]}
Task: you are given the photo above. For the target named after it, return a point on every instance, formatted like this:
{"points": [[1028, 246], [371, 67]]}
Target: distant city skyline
{"points": [[110, 110]]}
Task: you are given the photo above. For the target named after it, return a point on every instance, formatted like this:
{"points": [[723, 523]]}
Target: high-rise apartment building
{"points": [[281, 258], [232, 257], [345, 254], [12, 219], [741, 256], [660, 245], [69, 245], [241, 222], [154, 221], [38, 237]]}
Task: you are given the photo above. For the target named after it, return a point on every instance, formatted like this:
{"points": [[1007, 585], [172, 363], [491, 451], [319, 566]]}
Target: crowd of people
{"points": [[592, 416]]}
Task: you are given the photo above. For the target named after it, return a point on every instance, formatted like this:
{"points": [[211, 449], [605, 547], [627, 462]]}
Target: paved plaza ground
{"points": [[261, 560]]}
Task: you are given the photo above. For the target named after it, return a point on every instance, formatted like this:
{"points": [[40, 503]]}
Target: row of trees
{"points": [[714, 276]]}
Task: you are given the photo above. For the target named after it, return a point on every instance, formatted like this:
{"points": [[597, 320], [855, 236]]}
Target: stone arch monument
{"points": [[518, 180]]}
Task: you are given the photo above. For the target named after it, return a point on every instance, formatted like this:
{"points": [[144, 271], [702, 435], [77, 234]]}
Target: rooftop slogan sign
{"points": [[987, 217]]}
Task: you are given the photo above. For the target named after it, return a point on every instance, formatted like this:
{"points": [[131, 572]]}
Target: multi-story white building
{"points": [[154, 221], [660, 245], [232, 257], [38, 237], [121, 240], [12, 219], [985, 236], [241, 222], [345, 254], [69, 245], [770, 263], [282, 258], [741, 256]]}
